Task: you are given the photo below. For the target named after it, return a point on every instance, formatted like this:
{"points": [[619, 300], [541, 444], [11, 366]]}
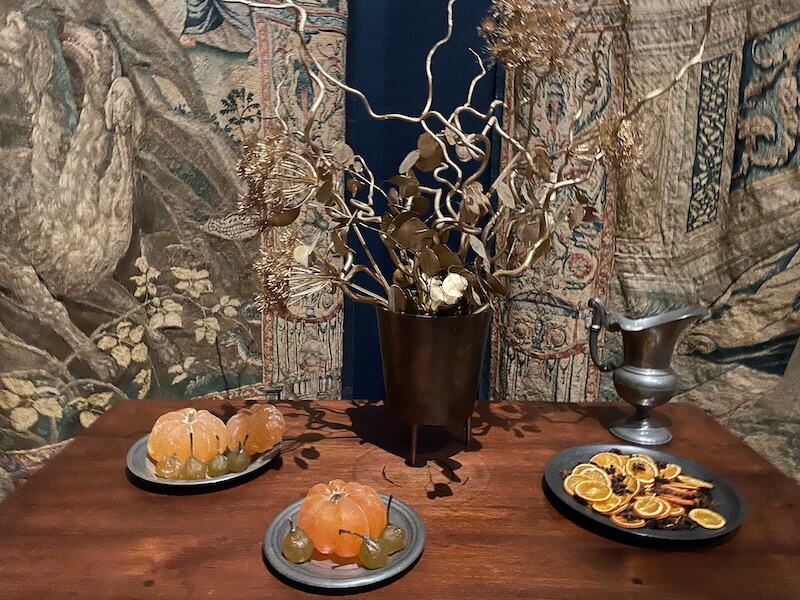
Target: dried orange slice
{"points": [[571, 481], [593, 491], [633, 485], [627, 523], [677, 490], [645, 457], [670, 472], [606, 459], [606, 506], [582, 467], [666, 510], [648, 508], [677, 511], [694, 482], [707, 518], [679, 501], [641, 469], [597, 474]]}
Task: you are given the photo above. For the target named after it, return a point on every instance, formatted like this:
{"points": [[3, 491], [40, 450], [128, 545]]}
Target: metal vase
{"points": [[432, 367]]}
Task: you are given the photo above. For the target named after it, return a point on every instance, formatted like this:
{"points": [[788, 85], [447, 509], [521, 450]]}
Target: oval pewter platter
{"points": [[142, 467], [725, 497], [329, 575]]}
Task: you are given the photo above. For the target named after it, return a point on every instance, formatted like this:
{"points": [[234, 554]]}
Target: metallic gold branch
{"points": [[452, 242]]}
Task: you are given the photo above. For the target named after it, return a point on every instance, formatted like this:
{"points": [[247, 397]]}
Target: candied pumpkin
{"points": [[256, 429], [327, 508], [187, 432]]}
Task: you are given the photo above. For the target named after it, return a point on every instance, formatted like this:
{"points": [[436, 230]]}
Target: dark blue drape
{"points": [[387, 43]]}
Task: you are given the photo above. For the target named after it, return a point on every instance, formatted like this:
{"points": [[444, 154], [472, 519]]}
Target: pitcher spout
{"points": [[649, 342]]}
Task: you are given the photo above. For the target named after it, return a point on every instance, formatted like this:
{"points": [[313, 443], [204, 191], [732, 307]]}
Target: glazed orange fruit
{"points": [[257, 428], [187, 432], [327, 508]]}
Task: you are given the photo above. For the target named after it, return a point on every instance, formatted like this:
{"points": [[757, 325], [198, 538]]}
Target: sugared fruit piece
{"points": [[193, 469], [393, 537], [239, 460], [218, 465], [327, 508], [169, 467], [297, 546], [185, 432], [371, 554], [257, 428]]}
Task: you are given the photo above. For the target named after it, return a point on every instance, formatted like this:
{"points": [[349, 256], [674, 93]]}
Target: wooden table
{"points": [[81, 529]]}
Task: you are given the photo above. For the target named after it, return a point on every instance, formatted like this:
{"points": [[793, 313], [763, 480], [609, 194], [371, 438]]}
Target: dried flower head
{"points": [[277, 178], [531, 34], [621, 141], [273, 269]]}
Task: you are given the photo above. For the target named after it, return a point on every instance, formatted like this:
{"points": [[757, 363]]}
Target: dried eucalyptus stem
{"points": [[452, 242]]}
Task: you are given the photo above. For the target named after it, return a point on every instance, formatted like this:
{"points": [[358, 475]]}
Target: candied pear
{"points": [[169, 467], [218, 465], [297, 546], [238, 461], [193, 469], [371, 554], [393, 537]]}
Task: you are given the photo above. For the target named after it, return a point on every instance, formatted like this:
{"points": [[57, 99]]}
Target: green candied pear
{"points": [[169, 467], [393, 537], [193, 469], [371, 554], [218, 465], [297, 546], [238, 461]]}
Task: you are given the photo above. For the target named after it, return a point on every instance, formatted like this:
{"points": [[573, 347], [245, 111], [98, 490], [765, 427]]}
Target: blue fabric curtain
{"points": [[388, 41]]}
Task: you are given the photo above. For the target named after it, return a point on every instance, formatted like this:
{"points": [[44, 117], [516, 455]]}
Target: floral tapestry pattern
{"points": [[539, 339], [124, 270], [303, 351]]}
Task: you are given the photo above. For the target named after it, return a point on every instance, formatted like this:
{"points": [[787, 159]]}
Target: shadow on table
{"points": [[625, 538], [526, 418], [373, 424], [336, 592], [183, 490]]}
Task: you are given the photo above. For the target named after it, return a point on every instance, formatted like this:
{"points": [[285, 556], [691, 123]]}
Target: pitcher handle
{"points": [[599, 320]]}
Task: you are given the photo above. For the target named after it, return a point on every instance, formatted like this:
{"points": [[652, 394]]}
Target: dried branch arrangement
{"points": [[452, 241]]}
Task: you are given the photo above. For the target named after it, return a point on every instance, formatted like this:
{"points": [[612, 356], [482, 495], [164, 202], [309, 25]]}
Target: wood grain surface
{"points": [[81, 529]]}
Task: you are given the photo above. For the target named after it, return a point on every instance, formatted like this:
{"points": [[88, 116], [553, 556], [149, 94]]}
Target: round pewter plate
{"points": [[142, 467], [327, 574], [725, 498]]}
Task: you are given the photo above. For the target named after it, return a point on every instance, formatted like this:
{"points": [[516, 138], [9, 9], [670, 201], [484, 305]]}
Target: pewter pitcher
{"points": [[645, 378]]}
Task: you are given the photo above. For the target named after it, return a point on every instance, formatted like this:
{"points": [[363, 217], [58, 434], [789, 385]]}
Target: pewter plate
{"points": [[142, 467], [329, 575], [726, 499]]}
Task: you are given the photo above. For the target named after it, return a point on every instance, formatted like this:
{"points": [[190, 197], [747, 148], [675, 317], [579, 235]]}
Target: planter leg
{"points": [[468, 431], [414, 430]]}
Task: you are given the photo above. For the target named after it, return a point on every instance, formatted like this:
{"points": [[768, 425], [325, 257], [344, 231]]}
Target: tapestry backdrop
{"points": [[124, 270], [540, 337], [713, 214]]}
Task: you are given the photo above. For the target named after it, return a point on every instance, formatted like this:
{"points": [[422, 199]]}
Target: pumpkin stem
{"points": [[341, 531], [336, 497], [388, 508], [291, 526]]}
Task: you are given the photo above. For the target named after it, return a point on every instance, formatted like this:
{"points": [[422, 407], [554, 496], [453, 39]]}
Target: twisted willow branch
{"points": [[569, 166]]}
